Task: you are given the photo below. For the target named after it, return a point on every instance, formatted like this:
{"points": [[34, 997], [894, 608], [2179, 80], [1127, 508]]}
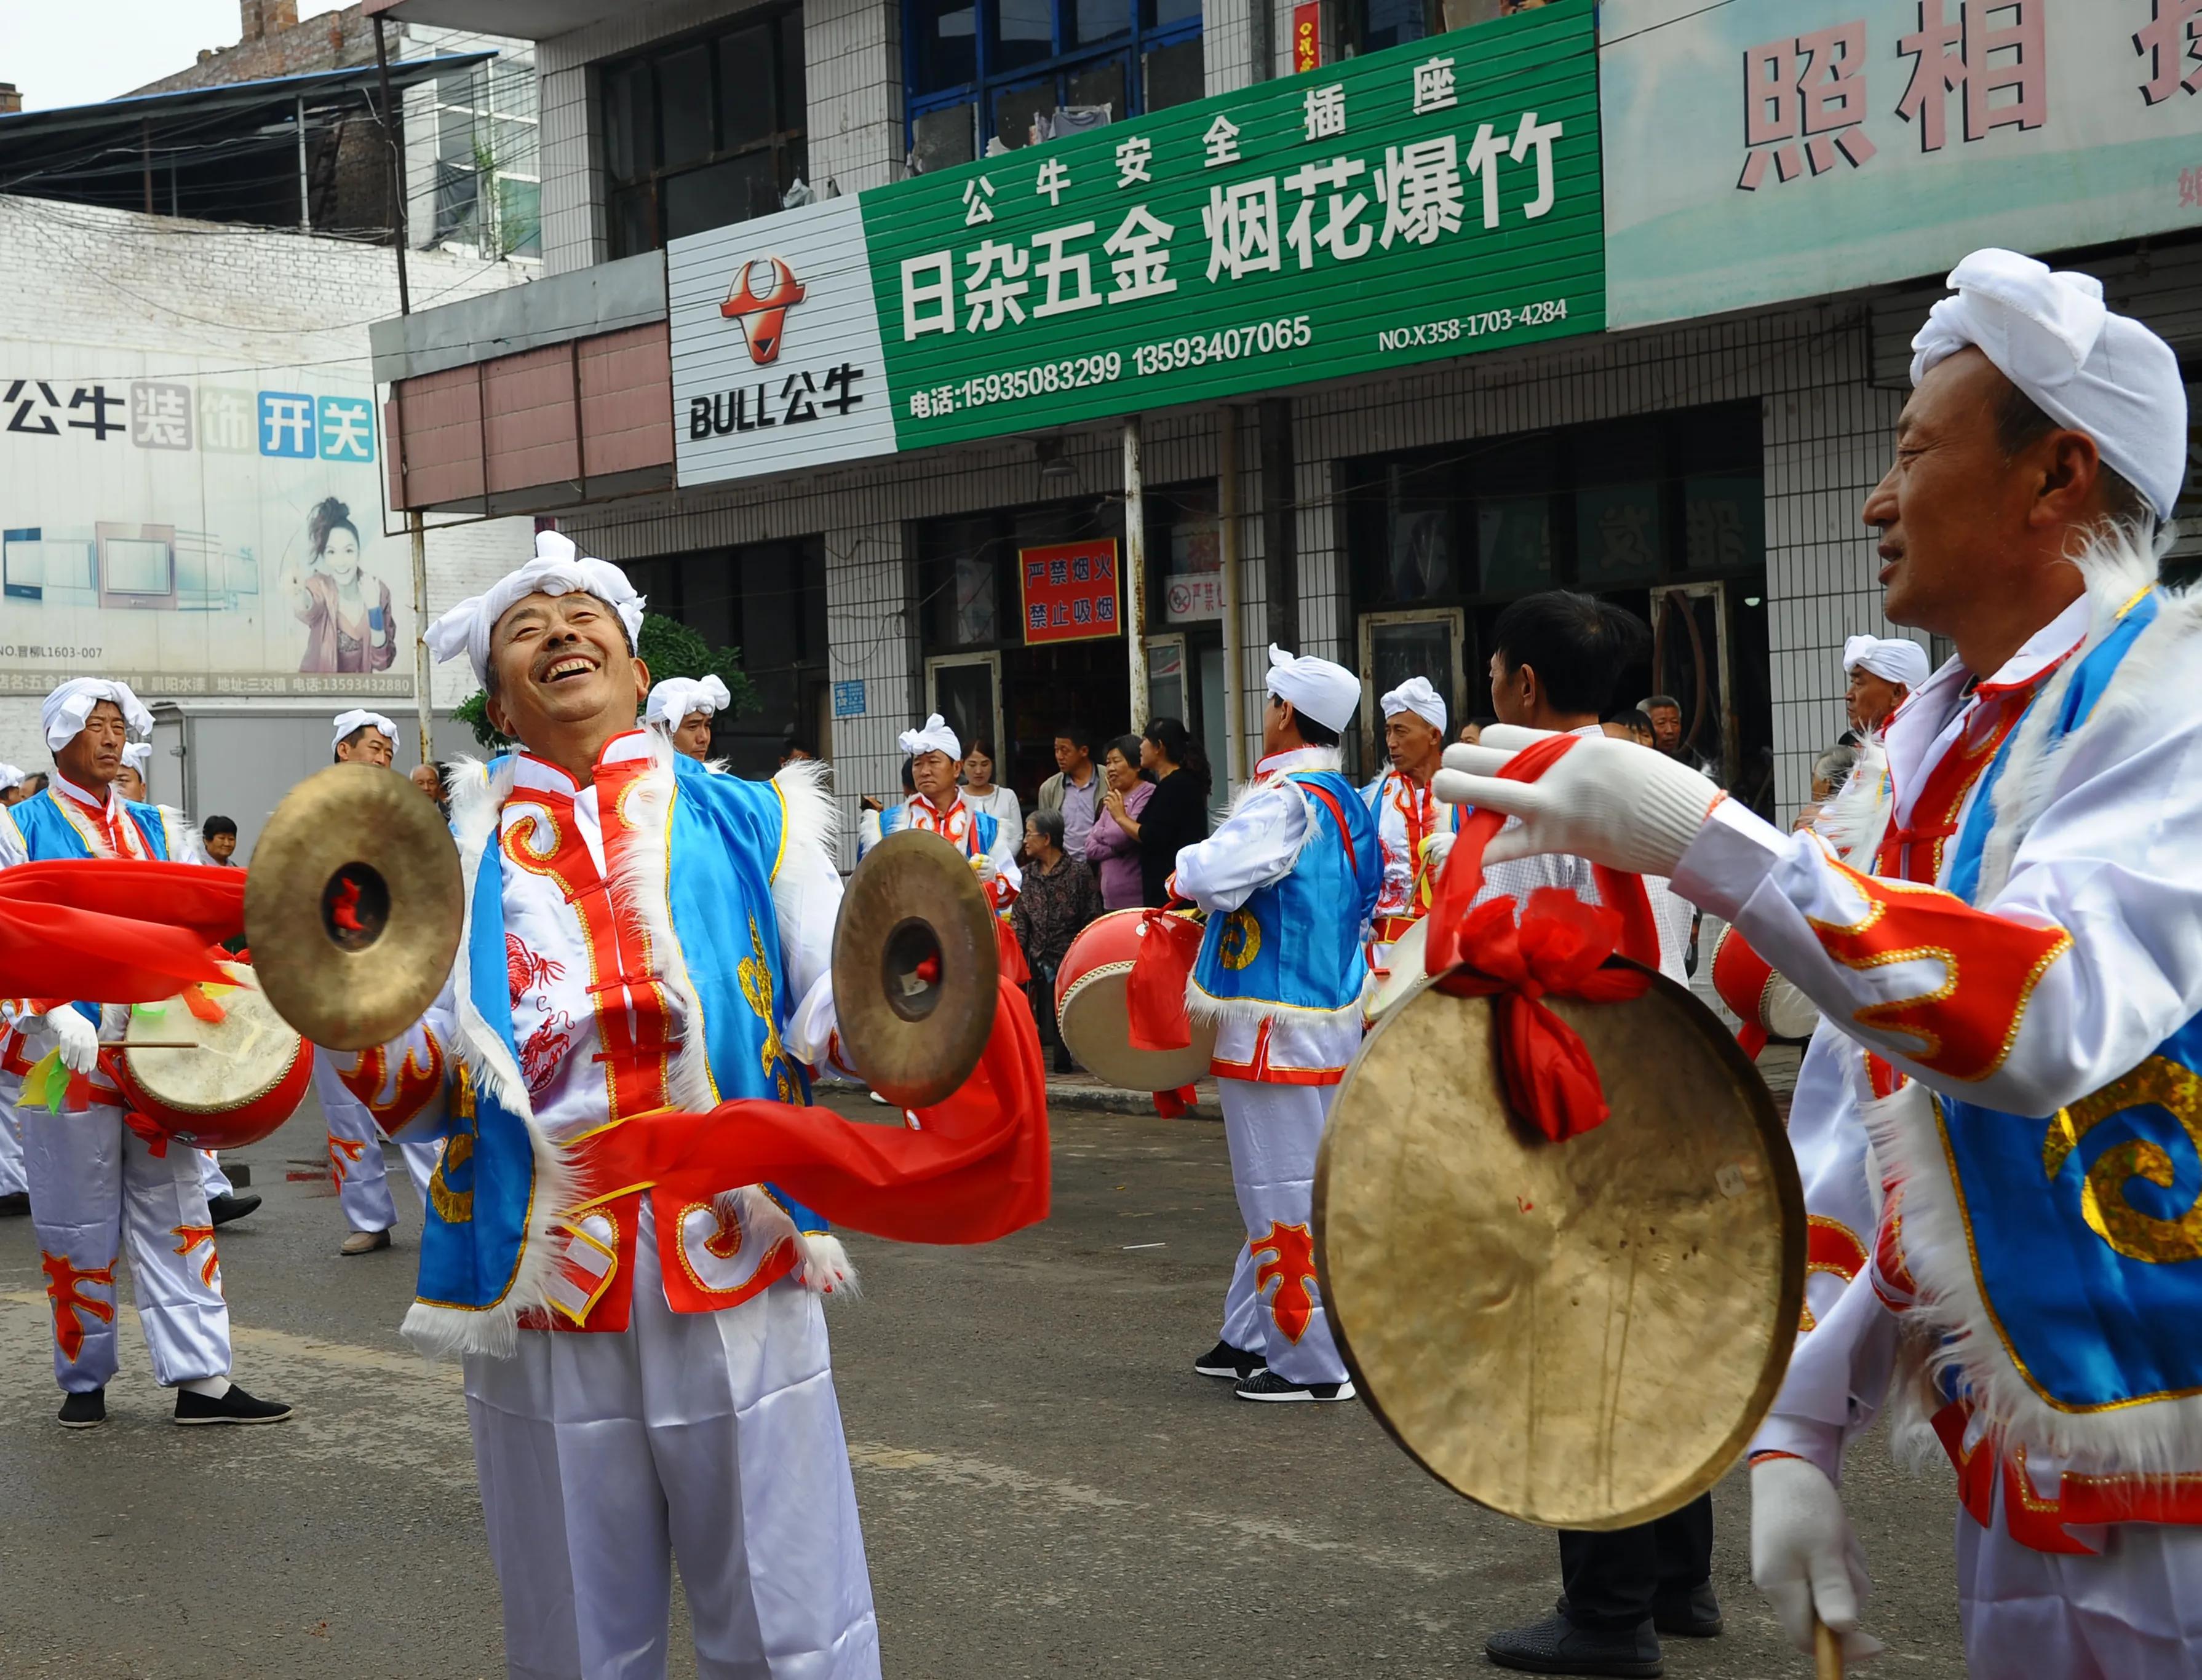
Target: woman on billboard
{"points": [[346, 614]]}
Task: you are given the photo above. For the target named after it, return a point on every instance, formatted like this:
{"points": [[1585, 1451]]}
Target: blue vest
{"points": [[1296, 943], [2092, 1269], [50, 836], [984, 825], [723, 847]]}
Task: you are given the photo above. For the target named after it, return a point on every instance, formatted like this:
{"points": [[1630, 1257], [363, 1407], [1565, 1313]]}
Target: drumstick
{"points": [[176, 1044], [1827, 1651]]}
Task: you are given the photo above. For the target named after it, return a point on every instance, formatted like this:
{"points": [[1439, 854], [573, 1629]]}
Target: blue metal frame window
{"points": [[1006, 62]]}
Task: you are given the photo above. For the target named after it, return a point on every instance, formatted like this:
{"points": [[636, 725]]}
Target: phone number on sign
{"points": [[1541, 313], [1073, 374]]}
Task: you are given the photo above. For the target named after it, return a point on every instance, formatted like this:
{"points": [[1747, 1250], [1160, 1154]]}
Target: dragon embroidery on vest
{"points": [[755, 973]]}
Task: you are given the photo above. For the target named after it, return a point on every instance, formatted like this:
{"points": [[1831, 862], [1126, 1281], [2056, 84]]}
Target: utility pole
{"points": [[1135, 572]]}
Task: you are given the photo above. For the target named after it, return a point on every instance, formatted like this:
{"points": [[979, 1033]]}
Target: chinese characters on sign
{"points": [[1418, 202], [1307, 36], [160, 417], [1069, 591]]}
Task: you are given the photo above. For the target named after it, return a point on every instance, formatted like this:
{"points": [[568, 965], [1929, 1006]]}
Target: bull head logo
{"points": [[763, 292]]}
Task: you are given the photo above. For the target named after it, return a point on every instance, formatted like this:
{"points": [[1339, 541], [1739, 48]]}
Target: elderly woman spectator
{"points": [[1114, 854], [1829, 772], [1059, 899]]}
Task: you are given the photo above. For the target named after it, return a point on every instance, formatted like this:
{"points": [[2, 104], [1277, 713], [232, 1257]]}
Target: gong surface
{"points": [[1582, 1334], [355, 843], [914, 899]]}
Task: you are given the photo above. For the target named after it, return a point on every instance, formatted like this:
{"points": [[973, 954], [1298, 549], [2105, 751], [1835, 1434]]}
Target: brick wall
{"points": [[331, 41], [239, 299]]}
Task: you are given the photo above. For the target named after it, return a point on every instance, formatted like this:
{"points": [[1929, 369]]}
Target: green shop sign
{"points": [[1426, 201]]}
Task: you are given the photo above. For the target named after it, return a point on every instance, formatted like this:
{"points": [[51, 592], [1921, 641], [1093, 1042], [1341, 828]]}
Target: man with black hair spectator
{"points": [[1557, 656], [1075, 788]]}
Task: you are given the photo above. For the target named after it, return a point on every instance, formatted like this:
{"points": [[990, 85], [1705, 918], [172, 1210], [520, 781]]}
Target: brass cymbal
{"points": [[916, 969], [1582, 1334], [353, 906]]}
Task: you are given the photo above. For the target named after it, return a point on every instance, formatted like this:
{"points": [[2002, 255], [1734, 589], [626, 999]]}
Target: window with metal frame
{"points": [[702, 131], [1013, 70]]}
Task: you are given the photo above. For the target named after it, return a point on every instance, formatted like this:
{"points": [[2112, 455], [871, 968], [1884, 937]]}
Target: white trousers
{"points": [[12, 1181], [711, 1437], [1242, 1307], [212, 1179], [1273, 1132], [94, 1183], [2132, 1611]]}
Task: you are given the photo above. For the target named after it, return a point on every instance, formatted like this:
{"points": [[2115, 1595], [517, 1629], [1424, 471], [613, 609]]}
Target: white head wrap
{"points": [[348, 721], [1330, 694], [66, 707], [2050, 334], [935, 737], [1416, 695], [1893, 660], [10, 778], [673, 701], [558, 568], [136, 755]]}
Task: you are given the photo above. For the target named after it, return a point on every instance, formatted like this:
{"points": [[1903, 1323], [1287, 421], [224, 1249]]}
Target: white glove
{"points": [[1436, 850], [77, 1039], [1804, 1556], [985, 867], [1612, 801]]}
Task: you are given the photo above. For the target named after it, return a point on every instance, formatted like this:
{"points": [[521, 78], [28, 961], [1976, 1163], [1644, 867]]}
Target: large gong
{"points": [[1582, 1334]]}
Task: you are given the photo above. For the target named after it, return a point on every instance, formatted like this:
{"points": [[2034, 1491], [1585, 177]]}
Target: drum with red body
{"points": [[1092, 1011], [244, 1070], [1767, 1005]]}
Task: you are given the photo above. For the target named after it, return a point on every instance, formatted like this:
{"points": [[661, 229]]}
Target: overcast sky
{"points": [[77, 52]]}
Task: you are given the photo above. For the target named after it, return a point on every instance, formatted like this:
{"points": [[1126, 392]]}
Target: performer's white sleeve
{"points": [[1009, 879], [2086, 959], [1837, 1381], [806, 900], [13, 850], [1255, 845], [868, 832]]}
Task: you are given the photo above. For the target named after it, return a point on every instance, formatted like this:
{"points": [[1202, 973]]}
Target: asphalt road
{"points": [[1046, 1488]]}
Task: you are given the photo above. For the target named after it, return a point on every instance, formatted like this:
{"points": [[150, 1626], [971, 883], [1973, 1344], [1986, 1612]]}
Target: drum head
{"points": [[243, 1055], [916, 972], [1406, 962], [1787, 1013], [1095, 1018], [353, 906], [1582, 1334]]}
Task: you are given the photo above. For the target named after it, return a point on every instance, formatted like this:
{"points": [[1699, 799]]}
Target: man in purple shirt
{"points": [[1075, 788]]}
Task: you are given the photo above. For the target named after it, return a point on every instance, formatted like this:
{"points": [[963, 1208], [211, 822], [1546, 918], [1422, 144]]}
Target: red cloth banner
{"points": [[1154, 992], [975, 1169], [115, 931], [1307, 36], [1071, 592]]}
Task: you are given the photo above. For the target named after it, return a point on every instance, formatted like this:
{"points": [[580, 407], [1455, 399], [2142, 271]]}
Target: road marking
{"points": [[1129, 1247]]}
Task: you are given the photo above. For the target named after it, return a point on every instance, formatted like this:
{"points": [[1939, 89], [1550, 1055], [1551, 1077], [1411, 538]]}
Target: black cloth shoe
{"points": [[14, 1204], [1268, 1385], [1226, 1361], [1697, 1616], [224, 1209], [1556, 1645], [87, 1410], [236, 1406]]}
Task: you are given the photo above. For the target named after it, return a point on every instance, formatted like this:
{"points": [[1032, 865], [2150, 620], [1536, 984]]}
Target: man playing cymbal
{"points": [[647, 1376]]}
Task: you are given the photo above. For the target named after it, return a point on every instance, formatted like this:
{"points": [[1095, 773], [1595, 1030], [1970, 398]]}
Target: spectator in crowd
{"points": [[1631, 726], [1880, 675], [791, 750], [435, 781], [1829, 772], [981, 793], [33, 785], [1111, 851], [1664, 713], [1075, 788], [1176, 816], [1472, 731], [219, 836], [1059, 898]]}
